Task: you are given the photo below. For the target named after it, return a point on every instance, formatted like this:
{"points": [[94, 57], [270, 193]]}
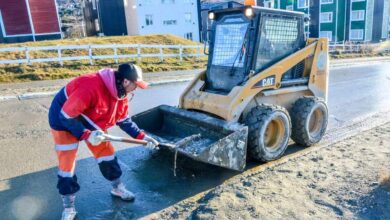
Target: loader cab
{"points": [[244, 41]]}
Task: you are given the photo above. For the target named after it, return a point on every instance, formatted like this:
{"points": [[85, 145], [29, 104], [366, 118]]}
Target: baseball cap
{"points": [[133, 73]]}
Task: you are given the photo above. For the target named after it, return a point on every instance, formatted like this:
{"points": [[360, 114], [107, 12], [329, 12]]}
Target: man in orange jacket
{"points": [[82, 111]]}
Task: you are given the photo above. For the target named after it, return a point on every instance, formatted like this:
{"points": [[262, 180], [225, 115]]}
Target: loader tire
{"points": [[309, 117], [269, 131]]}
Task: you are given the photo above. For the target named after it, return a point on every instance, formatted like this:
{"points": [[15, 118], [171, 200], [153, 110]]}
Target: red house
{"points": [[29, 20]]}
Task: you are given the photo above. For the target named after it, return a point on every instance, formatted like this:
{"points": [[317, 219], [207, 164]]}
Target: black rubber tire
{"points": [[306, 132], [258, 121]]}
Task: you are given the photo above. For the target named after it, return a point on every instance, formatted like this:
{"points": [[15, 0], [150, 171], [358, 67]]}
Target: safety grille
{"points": [[279, 37], [229, 39]]}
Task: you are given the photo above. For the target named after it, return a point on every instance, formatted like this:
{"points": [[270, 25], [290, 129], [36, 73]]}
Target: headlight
{"points": [[211, 15], [249, 12]]}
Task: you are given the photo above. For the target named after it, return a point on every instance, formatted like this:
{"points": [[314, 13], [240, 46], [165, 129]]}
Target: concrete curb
{"points": [[359, 62], [34, 95], [170, 81], [7, 98], [334, 64]]}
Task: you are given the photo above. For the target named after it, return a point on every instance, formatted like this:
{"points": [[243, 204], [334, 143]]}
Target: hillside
{"points": [[43, 71]]}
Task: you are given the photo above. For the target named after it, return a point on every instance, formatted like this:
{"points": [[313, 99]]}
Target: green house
{"points": [[341, 20]]}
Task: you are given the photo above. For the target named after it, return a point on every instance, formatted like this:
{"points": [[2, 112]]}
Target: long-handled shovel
{"points": [[175, 146]]}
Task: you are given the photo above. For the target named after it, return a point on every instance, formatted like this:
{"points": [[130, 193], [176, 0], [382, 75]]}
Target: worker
{"points": [[83, 110]]}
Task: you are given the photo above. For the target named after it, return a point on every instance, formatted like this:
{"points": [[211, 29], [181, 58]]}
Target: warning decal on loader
{"points": [[266, 82]]}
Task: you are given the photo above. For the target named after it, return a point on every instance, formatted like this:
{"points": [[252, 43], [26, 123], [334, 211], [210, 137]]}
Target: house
{"points": [[105, 17], [29, 20], [139, 17], [178, 17], [341, 20]]}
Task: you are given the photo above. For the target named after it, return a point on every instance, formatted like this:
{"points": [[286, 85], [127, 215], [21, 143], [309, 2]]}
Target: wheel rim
{"points": [[316, 122], [274, 134]]}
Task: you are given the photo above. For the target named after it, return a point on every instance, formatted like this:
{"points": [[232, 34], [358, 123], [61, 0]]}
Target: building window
{"points": [[188, 17], [358, 0], [357, 15], [326, 17], [356, 34], [326, 2], [389, 27], [303, 3], [327, 34], [168, 1], [149, 20], [290, 8], [170, 22], [94, 4], [97, 25], [188, 36], [269, 4]]}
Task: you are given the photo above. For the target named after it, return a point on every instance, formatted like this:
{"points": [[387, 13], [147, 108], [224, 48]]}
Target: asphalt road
{"points": [[28, 161]]}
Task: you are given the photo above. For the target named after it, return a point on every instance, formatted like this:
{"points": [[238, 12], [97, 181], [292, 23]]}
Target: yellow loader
{"points": [[265, 82]]}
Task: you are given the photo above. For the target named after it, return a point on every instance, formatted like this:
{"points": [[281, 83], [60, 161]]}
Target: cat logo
{"points": [[266, 82]]}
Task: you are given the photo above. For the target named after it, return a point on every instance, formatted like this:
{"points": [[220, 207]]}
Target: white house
{"points": [[178, 17]]}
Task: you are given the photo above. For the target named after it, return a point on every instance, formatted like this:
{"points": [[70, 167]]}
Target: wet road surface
{"points": [[28, 162]]}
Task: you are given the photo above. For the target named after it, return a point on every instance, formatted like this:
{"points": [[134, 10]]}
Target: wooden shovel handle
{"points": [[108, 137], [134, 141]]}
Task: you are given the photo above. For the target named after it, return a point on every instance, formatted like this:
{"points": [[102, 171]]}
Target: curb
{"points": [[34, 95], [358, 61], [170, 81], [7, 98]]}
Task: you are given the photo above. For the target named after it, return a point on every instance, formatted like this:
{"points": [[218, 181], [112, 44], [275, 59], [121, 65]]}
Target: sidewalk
{"points": [[37, 89]]}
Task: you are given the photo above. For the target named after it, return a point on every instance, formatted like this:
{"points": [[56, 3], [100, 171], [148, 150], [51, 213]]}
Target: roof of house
{"points": [[219, 5]]}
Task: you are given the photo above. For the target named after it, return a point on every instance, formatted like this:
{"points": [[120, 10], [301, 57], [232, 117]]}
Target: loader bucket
{"points": [[221, 143]]}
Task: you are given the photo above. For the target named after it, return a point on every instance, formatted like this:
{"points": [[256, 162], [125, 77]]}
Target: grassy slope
{"points": [[145, 39], [43, 71]]}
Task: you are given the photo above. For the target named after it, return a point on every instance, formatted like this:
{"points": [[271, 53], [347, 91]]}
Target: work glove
{"points": [[152, 143], [96, 137]]}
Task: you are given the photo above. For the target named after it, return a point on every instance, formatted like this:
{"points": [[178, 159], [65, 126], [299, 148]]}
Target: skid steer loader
{"points": [[264, 83]]}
